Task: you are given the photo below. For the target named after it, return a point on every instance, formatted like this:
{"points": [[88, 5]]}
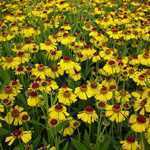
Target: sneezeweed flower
{"points": [[17, 116], [54, 55], [66, 63], [88, 115], [82, 92], [96, 57], [23, 57], [66, 96], [144, 58], [107, 53], [56, 71], [8, 92], [34, 99], [24, 136], [130, 143], [68, 131], [110, 68], [10, 62], [92, 88], [48, 86], [49, 44], [103, 93], [122, 96], [41, 71], [59, 112], [138, 123], [116, 113], [74, 73], [142, 105], [20, 70]]}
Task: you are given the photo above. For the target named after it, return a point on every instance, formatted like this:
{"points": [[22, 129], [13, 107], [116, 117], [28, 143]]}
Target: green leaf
{"points": [[104, 145], [66, 146], [3, 132], [78, 145]]}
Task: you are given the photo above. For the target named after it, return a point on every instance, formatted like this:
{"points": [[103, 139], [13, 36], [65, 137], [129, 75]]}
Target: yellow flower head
{"points": [[116, 113], [59, 112], [25, 136], [138, 123], [88, 115], [66, 96]]}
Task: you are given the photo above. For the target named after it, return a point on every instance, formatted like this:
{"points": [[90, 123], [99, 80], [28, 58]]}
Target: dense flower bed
{"points": [[74, 74]]}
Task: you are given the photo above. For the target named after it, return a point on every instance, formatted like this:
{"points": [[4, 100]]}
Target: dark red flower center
{"points": [[8, 89], [93, 85], [116, 108], [103, 90], [141, 77], [141, 119], [89, 109], [83, 87], [25, 117], [58, 107], [53, 122], [101, 104], [17, 132], [33, 94], [15, 113], [66, 58], [53, 52], [130, 139], [66, 94], [111, 62], [41, 67], [35, 85], [14, 82]]}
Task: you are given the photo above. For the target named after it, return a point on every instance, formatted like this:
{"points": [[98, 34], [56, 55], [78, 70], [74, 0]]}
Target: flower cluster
{"points": [[68, 67]]}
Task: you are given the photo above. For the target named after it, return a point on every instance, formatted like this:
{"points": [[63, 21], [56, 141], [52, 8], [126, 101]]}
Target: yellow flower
{"points": [[110, 68], [34, 99], [140, 78], [8, 92], [66, 63], [122, 96], [92, 88], [144, 58], [103, 93], [130, 143], [138, 123], [66, 96], [10, 62], [29, 31], [66, 39], [74, 72], [115, 113], [47, 86], [54, 55], [25, 136], [23, 57], [59, 112], [107, 53], [68, 131], [16, 116], [82, 92], [88, 115], [142, 105], [41, 71], [49, 44], [56, 71]]}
